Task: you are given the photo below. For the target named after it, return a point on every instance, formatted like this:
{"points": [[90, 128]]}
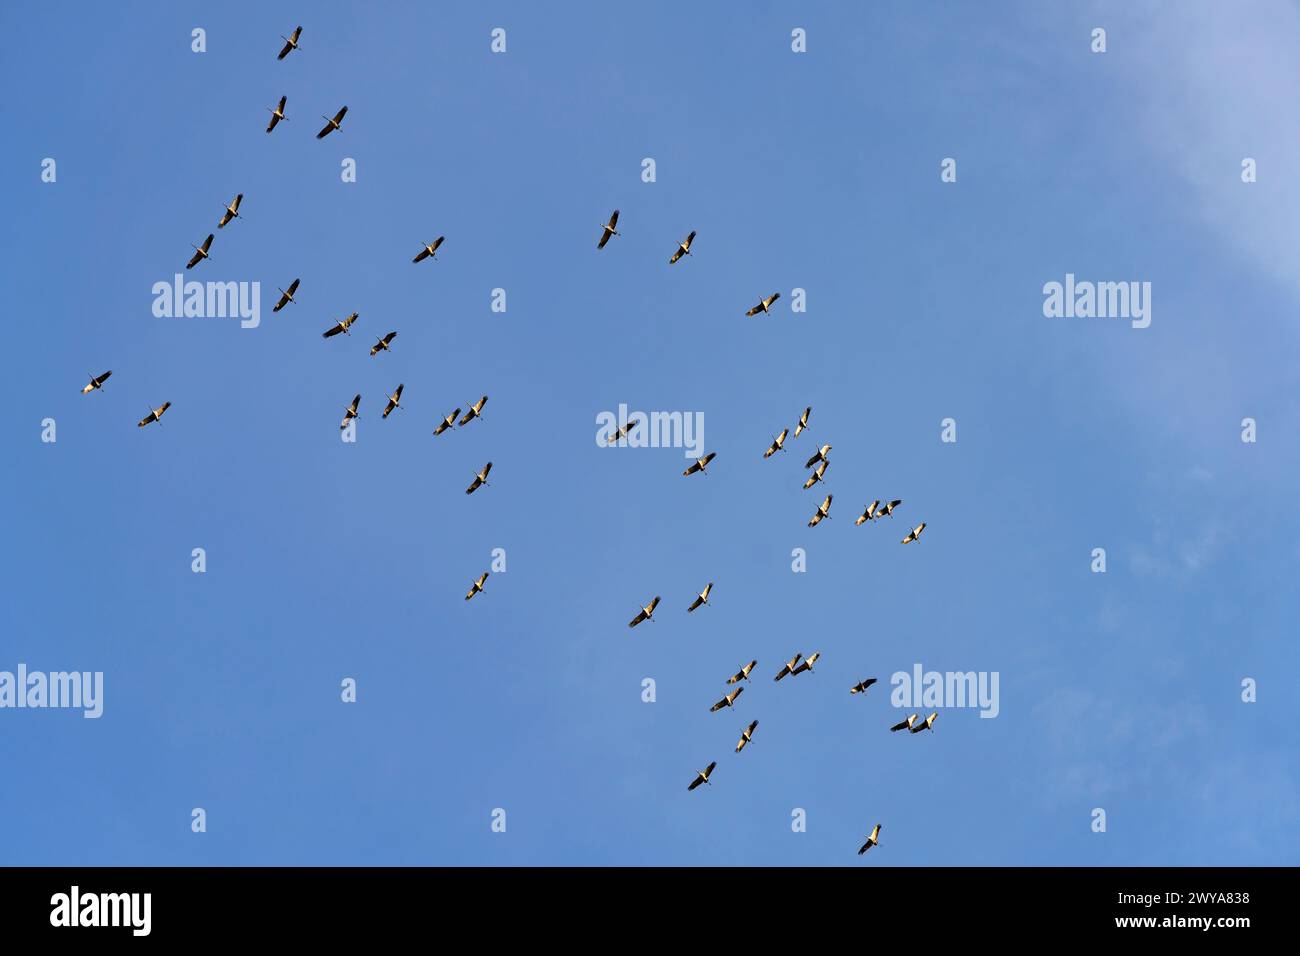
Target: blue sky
{"points": [[924, 301]]}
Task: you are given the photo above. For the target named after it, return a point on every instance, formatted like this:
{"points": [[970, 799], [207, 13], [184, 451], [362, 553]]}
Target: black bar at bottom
{"points": [[370, 904]]}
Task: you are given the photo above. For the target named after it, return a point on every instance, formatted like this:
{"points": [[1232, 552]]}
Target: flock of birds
{"points": [[817, 464]]}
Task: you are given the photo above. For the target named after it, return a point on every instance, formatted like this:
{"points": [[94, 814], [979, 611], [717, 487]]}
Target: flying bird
{"points": [[96, 382], [746, 735], [474, 411], [803, 421], [807, 663], [646, 614], [764, 305], [817, 474], [701, 598], [286, 295], [742, 674], [683, 248], [479, 479], [778, 444], [873, 840], [608, 230], [381, 345], [350, 412], [927, 724], [341, 326], [394, 401], [477, 585], [788, 666], [446, 423], [232, 211], [868, 513], [332, 124], [277, 114], [820, 455], [823, 511], [727, 701], [914, 533], [624, 431], [702, 776], [429, 251], [887, 509], [290, 43], [200, 252], [904, 724], [701, 464], [155, 415], [861, 686]]}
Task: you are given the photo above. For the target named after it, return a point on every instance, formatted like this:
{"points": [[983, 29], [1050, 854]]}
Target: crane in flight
{"points": [[277, 114], [868, 513], [742, 674], [788, 667], [430, 250], [286, 295], [819, 455], [341, 326], [728, 701], [479, 480], [477, 585], [200, 252], [818, 474], [764, 305], [646, 613], [701, 464], [96, 382], [155, 415], [914, 533], [702, 776], [702, 598], [746, 735], [232, 211], [290, 43], [872, 840], [823, 511], [473, 412], [350, 412], [608, 229], [332, 124], [394, 401], [448, 422], [683, 248]]}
